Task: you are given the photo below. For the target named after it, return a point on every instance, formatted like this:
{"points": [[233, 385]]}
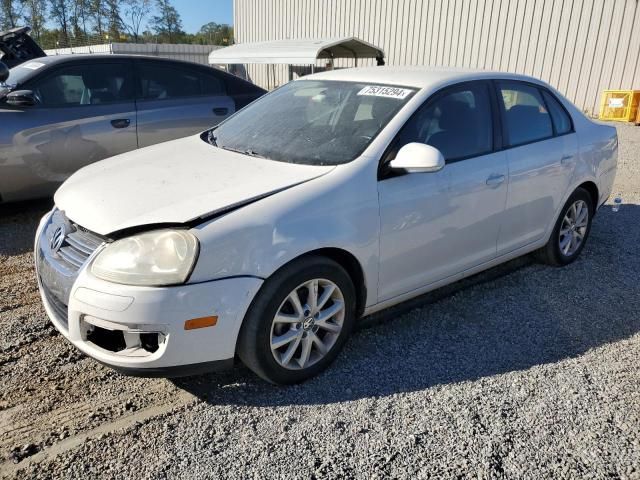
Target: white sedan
{"points": [[335, 196]]}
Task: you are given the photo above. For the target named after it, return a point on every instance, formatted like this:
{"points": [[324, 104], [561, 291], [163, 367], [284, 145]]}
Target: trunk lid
{"points": [[18, 47]]}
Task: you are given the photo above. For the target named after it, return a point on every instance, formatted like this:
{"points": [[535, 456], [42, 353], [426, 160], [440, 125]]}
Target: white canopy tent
{"points": [[297, 52]]}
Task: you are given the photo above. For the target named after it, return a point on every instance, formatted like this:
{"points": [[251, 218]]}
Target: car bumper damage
{"points": [[145, 331]]}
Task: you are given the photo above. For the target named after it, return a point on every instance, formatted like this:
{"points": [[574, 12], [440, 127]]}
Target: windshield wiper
{"points": [[248, 151], [211, 138]]}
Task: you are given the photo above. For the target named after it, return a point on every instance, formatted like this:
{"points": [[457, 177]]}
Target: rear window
{"points": [[561, 120]]}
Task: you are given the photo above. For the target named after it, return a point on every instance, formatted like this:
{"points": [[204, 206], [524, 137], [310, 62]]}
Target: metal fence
{"points": [[186, 52]]}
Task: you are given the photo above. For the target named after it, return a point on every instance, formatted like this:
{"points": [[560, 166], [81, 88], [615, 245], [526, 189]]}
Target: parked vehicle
{"points": [[16, 47], [61, 113], [331, 198]]}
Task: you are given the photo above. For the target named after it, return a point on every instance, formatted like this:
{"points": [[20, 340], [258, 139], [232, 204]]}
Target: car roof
{"points": [[414, 76], [52, 60], [67, 57]]}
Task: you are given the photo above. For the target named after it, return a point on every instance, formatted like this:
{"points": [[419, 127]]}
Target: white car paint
{"points": [[173, 182], [408, 234]]}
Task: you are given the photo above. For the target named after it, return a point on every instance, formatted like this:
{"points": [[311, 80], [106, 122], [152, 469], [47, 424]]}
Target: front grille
{"points": [[63, 248], [59, 308], [77, 247]]}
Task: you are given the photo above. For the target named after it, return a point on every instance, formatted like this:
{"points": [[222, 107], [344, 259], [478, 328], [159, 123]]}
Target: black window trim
{"points": [[197, 68], [497, 133], [497, 112], [47, 73], [502, 111], [562, 107]]}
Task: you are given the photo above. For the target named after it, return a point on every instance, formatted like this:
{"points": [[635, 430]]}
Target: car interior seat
{"points": [[526, 122], [454, 117]]}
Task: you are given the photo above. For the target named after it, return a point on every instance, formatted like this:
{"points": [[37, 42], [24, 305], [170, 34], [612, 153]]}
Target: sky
{"points": [[196, 13]]}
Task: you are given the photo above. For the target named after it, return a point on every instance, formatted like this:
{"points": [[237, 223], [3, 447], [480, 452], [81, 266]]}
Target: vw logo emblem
{"points": [[58, 238]]}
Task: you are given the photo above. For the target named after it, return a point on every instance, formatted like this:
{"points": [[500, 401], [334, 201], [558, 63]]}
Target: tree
{"points": [[98, 13], [135, 13], [35, 17], [80, 17], [167, 24], [114, 20], [10, 13], [213, 33], [61, 14]]}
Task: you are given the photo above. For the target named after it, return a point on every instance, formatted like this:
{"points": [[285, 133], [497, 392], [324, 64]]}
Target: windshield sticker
{"points": [[32, 65], [389, 92]]}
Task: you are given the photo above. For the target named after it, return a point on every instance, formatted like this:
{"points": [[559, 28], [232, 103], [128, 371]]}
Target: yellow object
{"points": [[201, 322], [620, 105]]}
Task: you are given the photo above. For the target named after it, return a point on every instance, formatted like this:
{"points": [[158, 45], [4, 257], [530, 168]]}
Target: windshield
{"points": [[16, 77], [312, 122]]}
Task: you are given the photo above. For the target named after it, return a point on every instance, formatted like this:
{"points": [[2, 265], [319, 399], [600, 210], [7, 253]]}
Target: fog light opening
{"points": [[111, 340], [150, 341]]}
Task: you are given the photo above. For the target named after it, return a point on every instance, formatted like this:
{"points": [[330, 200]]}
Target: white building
{"points": [[580, 46]]}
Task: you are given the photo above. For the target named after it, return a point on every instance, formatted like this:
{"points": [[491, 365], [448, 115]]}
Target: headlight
{"points": [[162, 257]]}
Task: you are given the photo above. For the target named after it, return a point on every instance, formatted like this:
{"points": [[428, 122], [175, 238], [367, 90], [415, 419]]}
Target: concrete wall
{"points": [[580, 46]]}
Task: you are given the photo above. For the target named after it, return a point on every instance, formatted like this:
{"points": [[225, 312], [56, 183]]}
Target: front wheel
{"points": [[299, 321], [571, 230]]}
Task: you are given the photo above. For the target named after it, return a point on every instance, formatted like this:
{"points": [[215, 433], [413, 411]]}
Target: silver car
{"points": [[58, 114]]}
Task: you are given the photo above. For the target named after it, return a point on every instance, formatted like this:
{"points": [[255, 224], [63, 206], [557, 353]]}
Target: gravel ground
{"points": [[525, 371]]}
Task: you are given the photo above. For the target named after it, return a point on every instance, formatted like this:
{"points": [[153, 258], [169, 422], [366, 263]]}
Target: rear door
{"points": [[175, 100], [541, 150], [85, 113]]}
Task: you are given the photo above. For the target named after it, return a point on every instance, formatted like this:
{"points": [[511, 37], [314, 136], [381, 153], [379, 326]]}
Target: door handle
{"points": [[221, 110], [495, 180], [120, 123], [566, 159]]}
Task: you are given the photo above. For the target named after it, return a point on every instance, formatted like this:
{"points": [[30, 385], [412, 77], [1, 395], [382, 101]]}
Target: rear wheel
{"points": [[299, 321], [571, 230]]}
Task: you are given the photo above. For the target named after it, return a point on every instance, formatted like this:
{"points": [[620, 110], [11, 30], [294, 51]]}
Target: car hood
{"points": [[174, 182]]}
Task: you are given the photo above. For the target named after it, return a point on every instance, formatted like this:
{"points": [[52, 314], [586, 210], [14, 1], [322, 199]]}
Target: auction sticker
{"points": [[389, 92], [33, 65]]}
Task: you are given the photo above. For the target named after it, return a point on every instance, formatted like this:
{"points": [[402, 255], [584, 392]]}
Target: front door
{"points": [[85, 113], [434, 225]]}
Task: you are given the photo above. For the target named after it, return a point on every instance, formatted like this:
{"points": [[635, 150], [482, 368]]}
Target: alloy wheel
{"points": [[307, 324], [574, 228]]}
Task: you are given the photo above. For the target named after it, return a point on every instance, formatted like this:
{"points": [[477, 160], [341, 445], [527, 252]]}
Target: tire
{"points": [[555, 252], [286, 364]]}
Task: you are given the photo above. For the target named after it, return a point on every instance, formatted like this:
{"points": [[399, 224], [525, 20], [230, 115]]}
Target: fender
{"points": [[261, 237]]}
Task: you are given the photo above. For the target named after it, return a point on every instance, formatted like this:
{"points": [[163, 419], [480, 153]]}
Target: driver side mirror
{"points": [[21, 98], [418, 158], [4, 73]]}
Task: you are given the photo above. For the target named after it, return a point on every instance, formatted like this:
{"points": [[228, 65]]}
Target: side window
{"points": [[458, 123], [525, 116], [211, 84], [90, 84], [160, 82], [560, 117]]}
